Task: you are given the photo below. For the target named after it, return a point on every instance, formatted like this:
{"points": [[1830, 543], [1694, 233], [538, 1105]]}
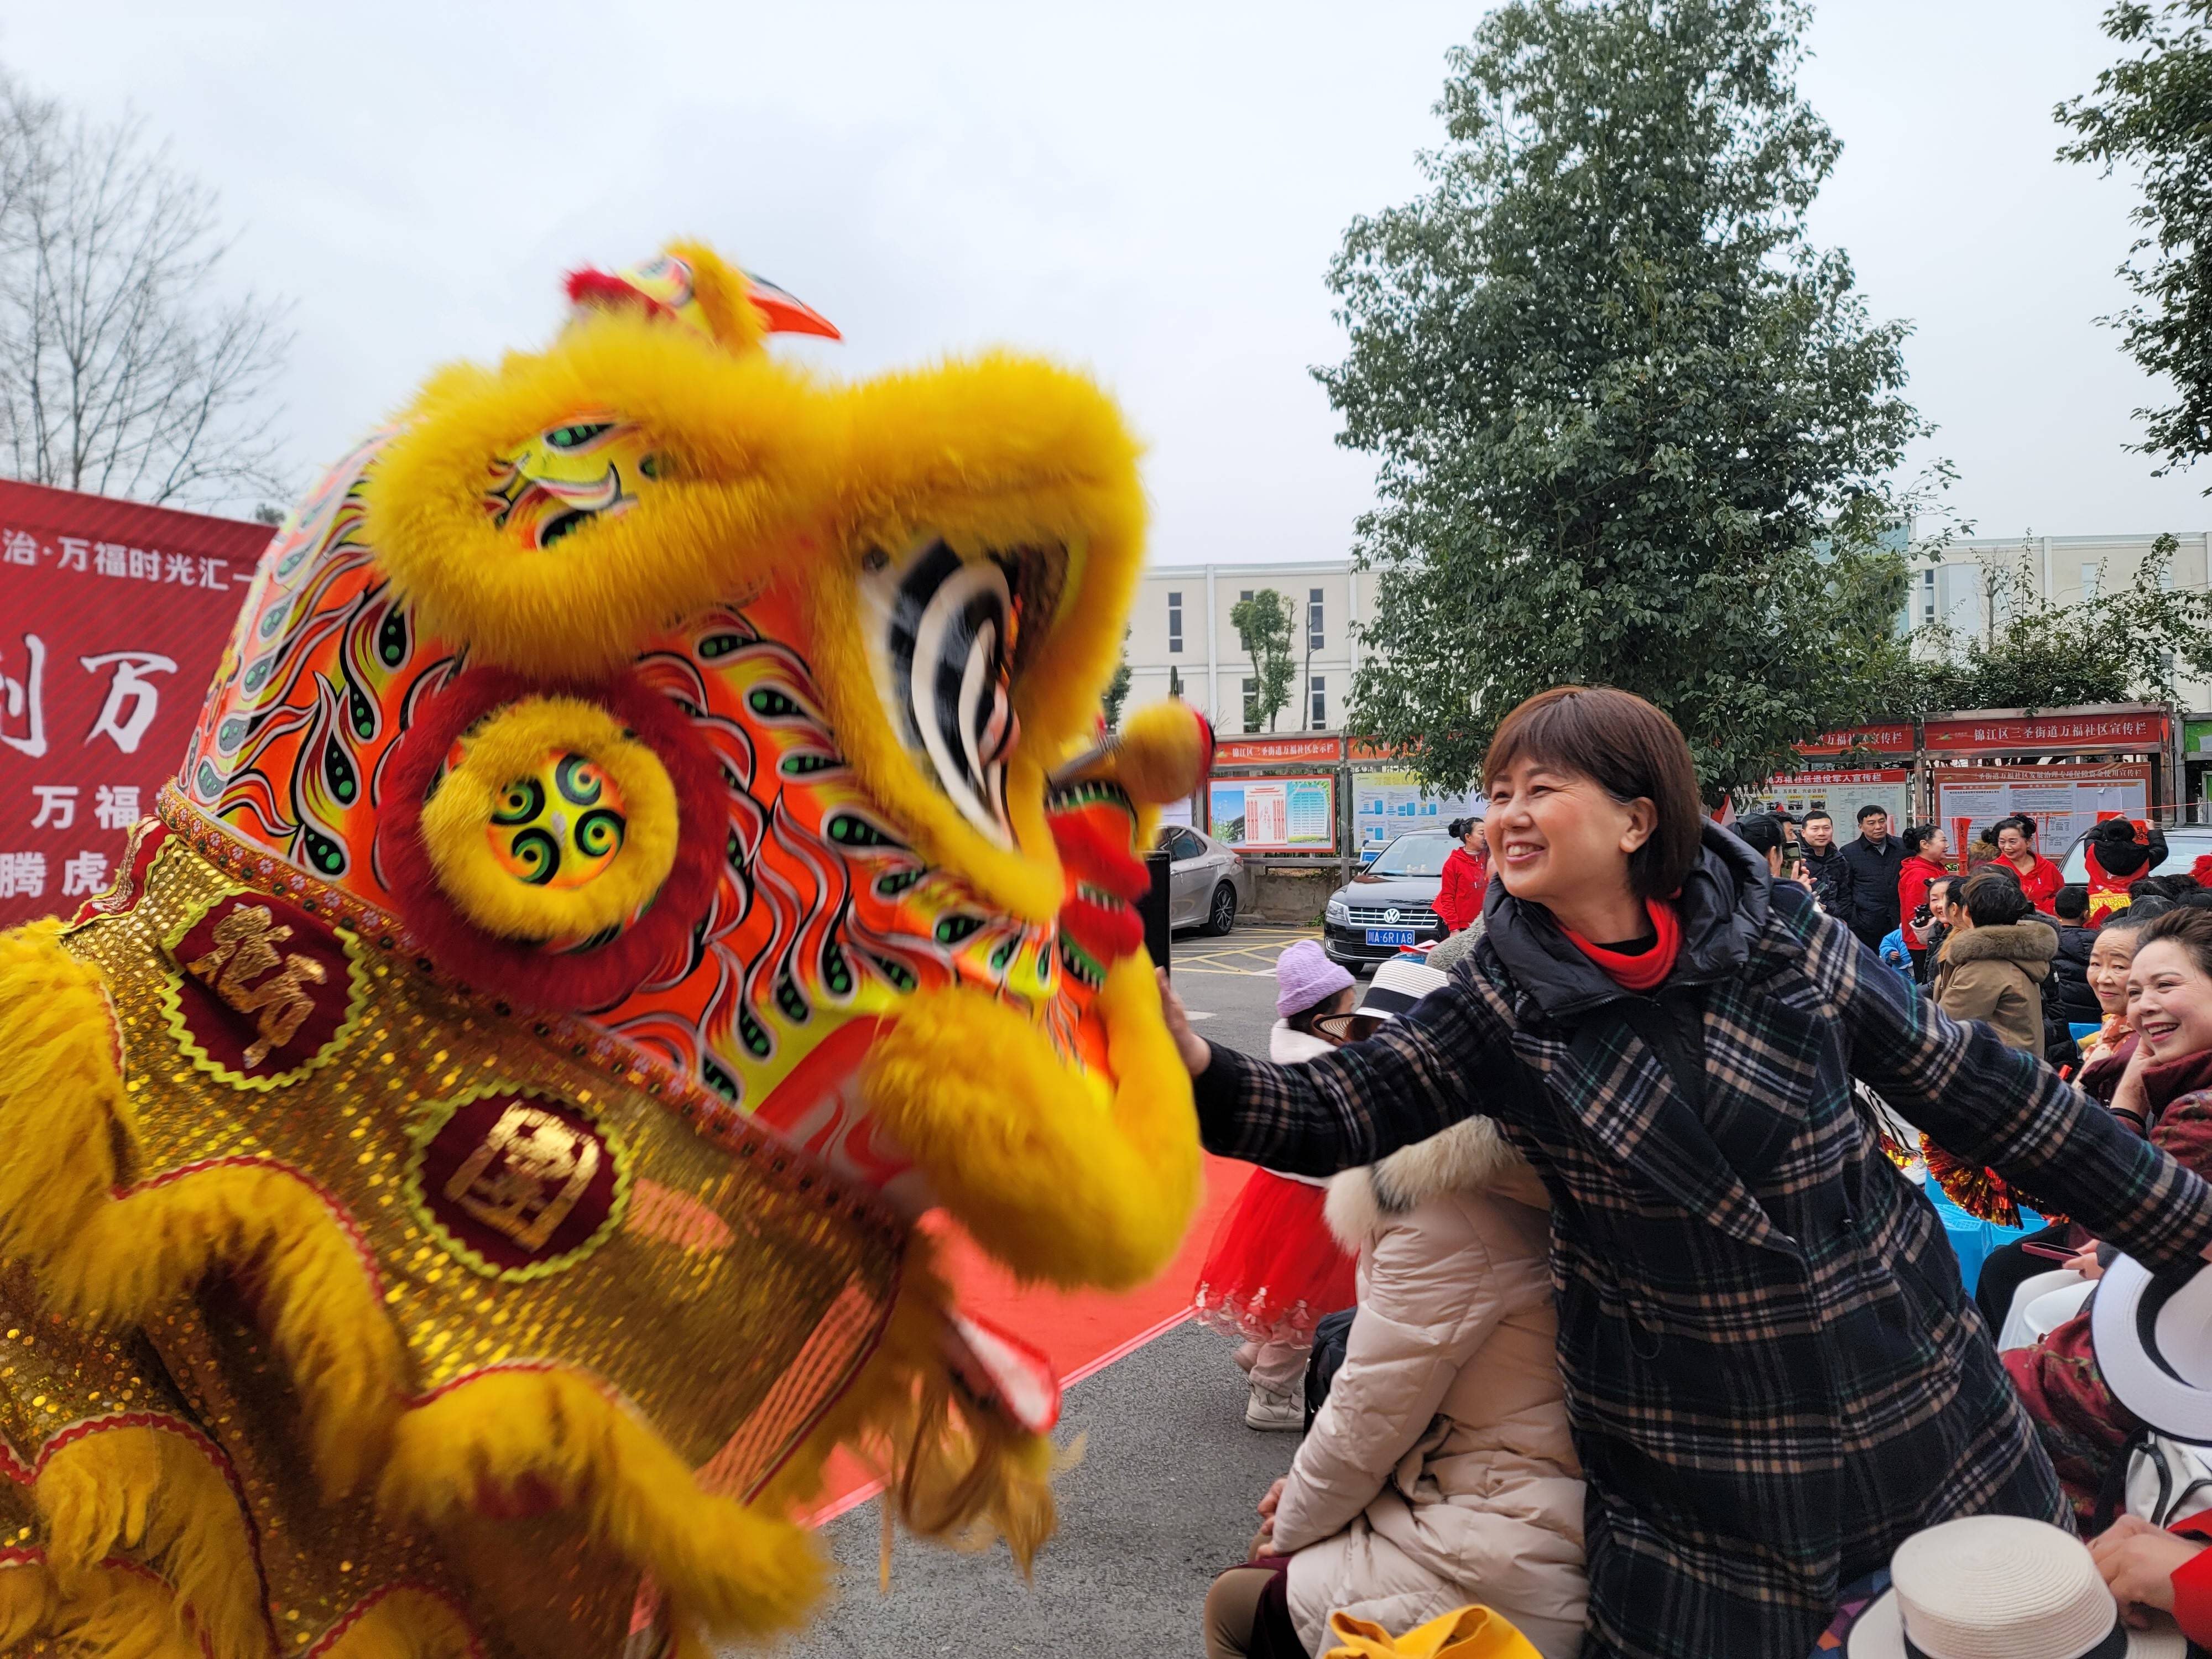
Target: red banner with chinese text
{"points": [[2126, 731], [1267, 750], [112, 619], [1894, 738]]}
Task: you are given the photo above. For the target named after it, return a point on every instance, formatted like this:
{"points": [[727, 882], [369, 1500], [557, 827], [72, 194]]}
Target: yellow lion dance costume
{"points": [[647, 842]]}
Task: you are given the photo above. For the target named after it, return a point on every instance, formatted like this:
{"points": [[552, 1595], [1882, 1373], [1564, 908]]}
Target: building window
{"points": [[1927, 594], [2092, 580], [1313, 620], [1175, 622], [1320, 692], [1251, 705]]}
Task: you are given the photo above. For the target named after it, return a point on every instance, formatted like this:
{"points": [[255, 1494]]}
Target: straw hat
{"points": [[2153, 1343], [2000, 1587], [1398, 984]]}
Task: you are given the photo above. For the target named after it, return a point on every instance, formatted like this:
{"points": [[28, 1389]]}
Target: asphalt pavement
{"points": [[1163, 1499]]}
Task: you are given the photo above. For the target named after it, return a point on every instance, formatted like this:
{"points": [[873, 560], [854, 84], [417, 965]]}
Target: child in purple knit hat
{"points": [[1274, 1267]]}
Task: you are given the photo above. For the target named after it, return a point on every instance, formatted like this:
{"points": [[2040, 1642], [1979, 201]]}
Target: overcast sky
{"points": [[1152, 190]]}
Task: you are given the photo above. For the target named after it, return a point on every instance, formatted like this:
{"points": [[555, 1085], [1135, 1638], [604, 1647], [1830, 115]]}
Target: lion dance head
{"points": [[649, 841]]}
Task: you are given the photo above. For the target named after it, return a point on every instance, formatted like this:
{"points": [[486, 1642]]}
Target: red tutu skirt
{"points": [[1275, 1268]]}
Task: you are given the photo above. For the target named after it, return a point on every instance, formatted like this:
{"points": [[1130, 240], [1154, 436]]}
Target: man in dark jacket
{"points": [[1874, 859], [1830, 870], [2069, 971]]}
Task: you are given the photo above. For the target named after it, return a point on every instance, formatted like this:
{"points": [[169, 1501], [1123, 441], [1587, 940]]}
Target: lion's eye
{"points": [[944, 631], [575, 437]]}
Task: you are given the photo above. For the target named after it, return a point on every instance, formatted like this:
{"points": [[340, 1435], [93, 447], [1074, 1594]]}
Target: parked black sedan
{"points": [[1389, 905]]}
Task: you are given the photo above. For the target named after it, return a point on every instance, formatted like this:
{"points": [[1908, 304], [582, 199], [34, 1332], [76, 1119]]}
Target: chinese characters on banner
{"points": [[2065, 801], [1275, 815], [1840, 795], [112, 619]]}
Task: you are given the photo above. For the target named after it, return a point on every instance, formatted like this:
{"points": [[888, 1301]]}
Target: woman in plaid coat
{"points": [[1772, 1370]]}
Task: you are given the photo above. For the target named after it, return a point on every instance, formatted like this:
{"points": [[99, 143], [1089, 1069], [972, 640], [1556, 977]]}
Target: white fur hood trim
{"points": [[1288, 1048], [1471, 1156]]}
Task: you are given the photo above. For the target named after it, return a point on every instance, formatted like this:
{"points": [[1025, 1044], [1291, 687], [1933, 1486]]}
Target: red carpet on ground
{"points": [[1080, 1331]]}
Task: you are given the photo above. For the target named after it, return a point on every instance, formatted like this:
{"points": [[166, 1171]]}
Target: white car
{"points": [[1207, 882]]}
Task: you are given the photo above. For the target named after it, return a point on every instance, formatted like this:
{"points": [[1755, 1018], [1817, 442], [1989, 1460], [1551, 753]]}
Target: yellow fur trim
{"points": [[950, 1467], [1160, 752], [118, 1259], [406, 1624], [991, 455], [730, 1568], [514, 743], [747, 444], [723, 295], [112, 1613], [1046, 1180], [158, 1498], [317, 1301]]}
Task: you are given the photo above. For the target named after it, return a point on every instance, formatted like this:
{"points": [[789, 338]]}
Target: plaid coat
{"points": [[1773, 1372]]}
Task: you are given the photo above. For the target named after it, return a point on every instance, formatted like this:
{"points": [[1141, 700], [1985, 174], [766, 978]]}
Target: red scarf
{"points": [[1647, 970]]}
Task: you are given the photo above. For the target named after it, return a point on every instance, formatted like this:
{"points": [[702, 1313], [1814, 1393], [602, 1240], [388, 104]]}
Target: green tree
{"points": [[2130, 644], [1117, 689], [1633, 428], [2153, 112], [1263, 626]]}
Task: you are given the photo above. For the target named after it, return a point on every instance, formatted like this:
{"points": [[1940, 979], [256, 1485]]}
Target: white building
{"points": [[1181, 626], [1181, 623]]}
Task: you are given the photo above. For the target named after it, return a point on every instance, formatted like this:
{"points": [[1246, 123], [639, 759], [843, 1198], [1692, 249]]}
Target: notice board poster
{"points": [[1275, 815], [2063, 801], [1840, 795], [112, 618], [1386, 804]]}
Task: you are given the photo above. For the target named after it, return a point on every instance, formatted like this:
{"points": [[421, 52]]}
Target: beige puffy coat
{"points": [[1996, 974], [1440, 1471]]}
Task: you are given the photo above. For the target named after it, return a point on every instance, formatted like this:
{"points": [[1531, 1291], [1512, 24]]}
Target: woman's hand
{"points": [[2131, 1101], [1272, 1501], [2086, 1264], [2138, 1562], [1191, 1047]]}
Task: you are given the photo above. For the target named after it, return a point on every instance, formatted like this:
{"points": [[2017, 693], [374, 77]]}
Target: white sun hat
{"points": [[2153, 1343], [1399, 983], [2000, 1587]]}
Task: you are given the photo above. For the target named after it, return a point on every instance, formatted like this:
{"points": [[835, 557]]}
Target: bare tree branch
{"points": [[121, 371]]}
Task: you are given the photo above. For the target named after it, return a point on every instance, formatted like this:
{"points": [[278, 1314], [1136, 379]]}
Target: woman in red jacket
{"points": [[2170, 1572], [1925, 849], [2038, 877], [1467, 874]]}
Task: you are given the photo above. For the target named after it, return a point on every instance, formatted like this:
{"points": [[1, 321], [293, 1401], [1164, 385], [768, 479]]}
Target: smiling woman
{"points": [[2167, 1092], [1770, 1370]]}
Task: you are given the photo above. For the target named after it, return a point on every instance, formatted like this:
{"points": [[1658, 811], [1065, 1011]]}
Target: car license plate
{"points": [[1389, 936]]}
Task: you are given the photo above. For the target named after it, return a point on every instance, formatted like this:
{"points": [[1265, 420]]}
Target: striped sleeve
{"points": [[1988, 1104], [1414, 1077]]}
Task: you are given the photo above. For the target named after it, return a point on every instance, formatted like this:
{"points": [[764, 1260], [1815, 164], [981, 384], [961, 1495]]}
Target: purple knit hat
{"points": [[1303, 976]]}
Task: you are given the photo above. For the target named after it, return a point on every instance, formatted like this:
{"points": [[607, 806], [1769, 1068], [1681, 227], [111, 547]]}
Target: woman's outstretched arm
{"points": [[1412, 1078], [1990, 1104]]}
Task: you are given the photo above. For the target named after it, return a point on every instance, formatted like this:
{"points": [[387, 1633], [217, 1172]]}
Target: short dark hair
{"points": [[1762, 831], [2145, 887], [1872, 811], [1822, 813], [1994, 901], [1628, 749], [1920, 835], [2072, 900], [2190, 928]]}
